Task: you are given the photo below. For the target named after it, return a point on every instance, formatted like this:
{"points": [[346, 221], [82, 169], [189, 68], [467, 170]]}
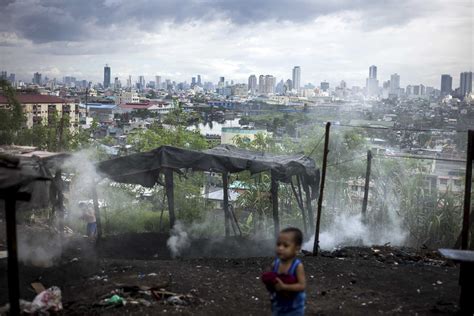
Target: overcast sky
{"points": [[331, 40]]}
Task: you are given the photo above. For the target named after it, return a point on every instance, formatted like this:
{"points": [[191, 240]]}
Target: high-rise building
{"points": [[193, 82], [373, 72], [12, 78], [296, 78], [270, 83], [394, 84], [465, 83], [3, 75], [324, 86], [221, 82], [446, 84], [372, 84], [117, 84], [141, 83], [261, 84], [158, 82], [106, 76], [37, 78], [199, 83], [252, 84], [289, 84]]}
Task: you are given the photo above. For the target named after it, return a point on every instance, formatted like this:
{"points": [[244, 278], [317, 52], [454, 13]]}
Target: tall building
{"points": [[193, 82], [446, 84], [270, 83], [261, 84], [221, 83], [106, 76], [158, 82], [297, 78], [37, 78], [394, 84], [465, 83], [141, 83], [252, 84], [324, 86], [372, 84], [373, 72], [199, 83], [3, 75], [12, 78]]}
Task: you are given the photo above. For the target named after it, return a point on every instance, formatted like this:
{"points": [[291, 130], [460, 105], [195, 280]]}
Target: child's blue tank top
{"points": [[297, 301]]}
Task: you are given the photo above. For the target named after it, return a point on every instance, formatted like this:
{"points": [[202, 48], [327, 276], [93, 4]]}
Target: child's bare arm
{"points": [[295, 287]]}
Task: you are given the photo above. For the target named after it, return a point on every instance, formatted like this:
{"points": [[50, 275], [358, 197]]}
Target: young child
{"points": [[89, 217], [286, 282]]}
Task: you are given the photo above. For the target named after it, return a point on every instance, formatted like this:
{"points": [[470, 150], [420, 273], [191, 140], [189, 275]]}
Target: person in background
{"points": [[89, 217], [286, 282]]}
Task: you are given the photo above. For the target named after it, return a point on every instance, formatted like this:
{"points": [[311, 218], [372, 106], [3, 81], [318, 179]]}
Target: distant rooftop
{"points": [[35, 98]]}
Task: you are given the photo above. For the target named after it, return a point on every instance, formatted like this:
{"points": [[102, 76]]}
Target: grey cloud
{"points": [[71, 20]]}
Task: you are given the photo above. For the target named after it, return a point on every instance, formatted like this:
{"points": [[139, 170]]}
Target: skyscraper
{"points": [[261, 84], [394, 83], [296, 78], [106, 76], [372, 84], [37, 78], [446, 84], [193, 82], [3, 75], [270, 83], [465, 83], [252, 84], [141, 83], [373, 72], [199, 83], [158, 82], [324, 86]]}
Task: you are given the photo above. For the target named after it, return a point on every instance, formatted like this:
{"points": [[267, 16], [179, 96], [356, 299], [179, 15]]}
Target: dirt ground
{"points": [[348, 281]]}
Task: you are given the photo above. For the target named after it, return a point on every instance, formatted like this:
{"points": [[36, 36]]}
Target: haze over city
{"points": [[331, 41]]}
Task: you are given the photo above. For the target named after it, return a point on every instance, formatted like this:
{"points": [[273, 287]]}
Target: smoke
{"points": [[179, 240], [38, 247], [350, 230]]}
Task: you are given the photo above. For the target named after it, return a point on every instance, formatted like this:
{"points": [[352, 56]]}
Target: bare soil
{"points": [[348, 281]]}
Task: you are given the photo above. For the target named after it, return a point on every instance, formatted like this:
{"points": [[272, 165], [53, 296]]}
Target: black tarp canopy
{"points": [[144, 168]]}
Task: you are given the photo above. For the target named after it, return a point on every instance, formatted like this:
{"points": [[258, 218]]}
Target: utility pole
{"points": [[321, 189], [367, 182]]}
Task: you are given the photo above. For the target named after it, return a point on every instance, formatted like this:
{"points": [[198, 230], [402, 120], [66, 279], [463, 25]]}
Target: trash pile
{"points": [[145, 296], [46, 301], [390, 255]]}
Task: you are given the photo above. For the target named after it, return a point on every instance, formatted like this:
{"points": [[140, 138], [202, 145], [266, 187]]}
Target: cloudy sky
{"points": [[330, 40]]}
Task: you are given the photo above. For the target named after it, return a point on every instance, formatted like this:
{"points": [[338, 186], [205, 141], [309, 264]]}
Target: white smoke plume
{"points": [[179, 240]]}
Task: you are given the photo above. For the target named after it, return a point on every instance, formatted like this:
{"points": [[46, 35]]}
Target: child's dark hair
{"points": [[297, 234]]}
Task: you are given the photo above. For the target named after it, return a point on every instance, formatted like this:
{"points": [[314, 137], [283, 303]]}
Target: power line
{"points": [[419, 157], [402, 129], [317, 145]]}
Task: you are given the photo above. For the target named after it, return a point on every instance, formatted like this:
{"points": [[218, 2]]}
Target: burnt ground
{"points": [[353, 280]]}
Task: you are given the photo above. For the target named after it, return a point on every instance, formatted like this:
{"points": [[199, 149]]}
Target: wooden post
{"points": [[95, 200], [309, 207], [13, 274], [467, 191], [225, 188], [300, 205], [58, 183], [321, 189], [366, 187], [169, 185], [274, 192]]}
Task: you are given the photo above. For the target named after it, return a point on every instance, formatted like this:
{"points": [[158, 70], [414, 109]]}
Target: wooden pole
{"points": [[274, 192], [309, 207], [225, 188], [13, 274], [321, 189], [366, 187], [300, 205], [95, 200], [467, 191], [169, 185]]}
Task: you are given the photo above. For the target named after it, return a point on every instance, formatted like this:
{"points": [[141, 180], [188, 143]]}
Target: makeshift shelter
{"points": [[15, 175], [145, 169]]}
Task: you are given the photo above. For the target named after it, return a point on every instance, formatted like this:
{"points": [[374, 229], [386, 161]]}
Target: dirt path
{"points": [[354, 281]]}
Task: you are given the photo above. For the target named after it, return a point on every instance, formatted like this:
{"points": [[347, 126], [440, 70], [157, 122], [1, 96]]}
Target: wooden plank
{"points": [[13, 274], [367, 185], [274, 192], [466, 223], [321, 189], [225, 188], [169, 186]]}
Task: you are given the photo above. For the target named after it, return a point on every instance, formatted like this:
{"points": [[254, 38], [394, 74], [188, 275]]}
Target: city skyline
{"points": [[331, 42]]}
